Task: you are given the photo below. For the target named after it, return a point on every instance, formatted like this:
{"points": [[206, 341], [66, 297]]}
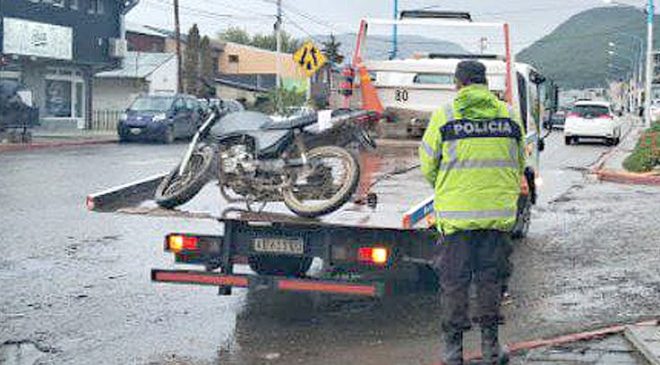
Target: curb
{"points": [[622, 176], [47, 145], [560, 340]]}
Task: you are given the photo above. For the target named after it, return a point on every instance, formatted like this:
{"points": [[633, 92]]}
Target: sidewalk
{"points": [[633, 344], [42, 138], [610, 166]]}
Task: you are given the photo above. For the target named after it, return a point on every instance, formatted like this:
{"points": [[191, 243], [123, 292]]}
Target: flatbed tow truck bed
{"points": [[365, 250]]}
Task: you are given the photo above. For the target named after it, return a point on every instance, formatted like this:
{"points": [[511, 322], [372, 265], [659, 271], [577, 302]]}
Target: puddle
{"points": [[19, 353]]}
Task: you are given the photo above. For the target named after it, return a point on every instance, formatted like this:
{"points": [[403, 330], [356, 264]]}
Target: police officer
{"points": [[472, 154]]}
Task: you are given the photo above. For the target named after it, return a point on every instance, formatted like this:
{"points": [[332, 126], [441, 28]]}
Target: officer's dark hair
{"points": [[471, 72]]}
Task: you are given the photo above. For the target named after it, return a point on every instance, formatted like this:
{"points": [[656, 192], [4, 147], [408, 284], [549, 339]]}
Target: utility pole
{"points": [[278, 62], [278, 38], [395, 32], [177, 34], [649, 63]]}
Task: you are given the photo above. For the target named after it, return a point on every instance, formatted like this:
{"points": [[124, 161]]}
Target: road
{"points": [[76, 286]]}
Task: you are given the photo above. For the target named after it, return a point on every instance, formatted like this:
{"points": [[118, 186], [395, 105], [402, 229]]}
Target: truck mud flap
{"points": [[272, 282]]}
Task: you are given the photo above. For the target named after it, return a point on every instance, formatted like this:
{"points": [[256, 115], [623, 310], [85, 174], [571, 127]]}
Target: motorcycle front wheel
{"points": [[329, 181], [177, 189]]}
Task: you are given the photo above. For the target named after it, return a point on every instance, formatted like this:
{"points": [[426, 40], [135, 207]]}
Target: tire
{"points": [[523, 217], [280, 265], [169, 197], [568, 141], [340, 198], [168, 136]]}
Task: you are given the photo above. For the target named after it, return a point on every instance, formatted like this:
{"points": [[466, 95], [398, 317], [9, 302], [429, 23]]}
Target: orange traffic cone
{"points": [[370, 100]]}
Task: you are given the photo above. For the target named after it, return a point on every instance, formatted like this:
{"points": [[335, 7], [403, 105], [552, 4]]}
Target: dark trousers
{"points": [[480, 257]]}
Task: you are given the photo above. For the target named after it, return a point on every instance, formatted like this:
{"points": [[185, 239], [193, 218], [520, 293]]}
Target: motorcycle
{"points": [[259, 160]]}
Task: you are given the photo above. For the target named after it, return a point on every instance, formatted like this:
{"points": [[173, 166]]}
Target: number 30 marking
{"points": [[401, 95]]}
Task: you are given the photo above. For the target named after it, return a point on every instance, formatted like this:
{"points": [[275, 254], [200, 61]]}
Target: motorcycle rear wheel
{"points": [[176, 190], [343, 194]]}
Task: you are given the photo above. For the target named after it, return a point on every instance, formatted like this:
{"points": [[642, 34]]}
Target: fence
{"points": [[105, 120]]}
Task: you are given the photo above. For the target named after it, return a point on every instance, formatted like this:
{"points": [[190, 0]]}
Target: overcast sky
{"points": [[530, 20]]}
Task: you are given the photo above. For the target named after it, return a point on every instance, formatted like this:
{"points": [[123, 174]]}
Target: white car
{"points": [[592, 120], [655, 110]]}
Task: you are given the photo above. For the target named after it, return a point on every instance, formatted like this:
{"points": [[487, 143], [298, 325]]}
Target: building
{"points": [[140, 38], [240, 59], [142, 73], [54, 47], [244, 72]]}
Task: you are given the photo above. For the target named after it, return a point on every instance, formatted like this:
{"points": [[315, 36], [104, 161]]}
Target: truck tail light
{"points": [[373, 255], [178, 242]]}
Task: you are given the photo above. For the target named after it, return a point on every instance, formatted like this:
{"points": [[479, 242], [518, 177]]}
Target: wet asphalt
{"points": [[76, 286]]}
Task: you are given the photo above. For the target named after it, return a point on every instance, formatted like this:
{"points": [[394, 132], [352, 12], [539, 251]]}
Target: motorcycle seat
{"points": [[293, 123]]}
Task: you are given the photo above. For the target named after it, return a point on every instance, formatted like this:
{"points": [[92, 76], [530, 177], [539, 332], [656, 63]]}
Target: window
{"points": [[95, 7], [80, 97], [434, 79], [152, 104], [73, 4], [591, 111], [535, 103], [191, 104], [522, 95], [58, 3], [58, 98], [233, 58]]}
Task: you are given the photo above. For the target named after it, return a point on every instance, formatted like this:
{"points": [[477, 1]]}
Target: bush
{"points": [[287, 98], [646, 154]]}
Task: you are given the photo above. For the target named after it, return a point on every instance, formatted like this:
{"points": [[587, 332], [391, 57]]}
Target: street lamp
{"points": [[650, 10], [639, 69]]}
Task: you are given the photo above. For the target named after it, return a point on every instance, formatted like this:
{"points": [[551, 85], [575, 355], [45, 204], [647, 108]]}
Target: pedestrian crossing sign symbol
{"points": [[309, 58]]}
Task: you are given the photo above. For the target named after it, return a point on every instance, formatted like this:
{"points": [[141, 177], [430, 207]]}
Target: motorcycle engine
{"points": [[237, 159]]}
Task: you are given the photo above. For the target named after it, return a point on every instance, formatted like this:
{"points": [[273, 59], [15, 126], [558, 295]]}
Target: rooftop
{"points": [[138, 65]]}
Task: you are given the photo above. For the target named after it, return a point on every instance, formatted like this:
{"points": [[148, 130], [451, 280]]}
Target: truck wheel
{"points": [[523, 218], [280, 265]]}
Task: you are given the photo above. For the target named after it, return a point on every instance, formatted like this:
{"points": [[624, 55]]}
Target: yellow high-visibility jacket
{"points": [[472, 153]]}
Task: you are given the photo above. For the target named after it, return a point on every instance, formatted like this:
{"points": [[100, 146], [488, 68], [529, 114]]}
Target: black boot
{"points": [[452, 348], [491, 350]]}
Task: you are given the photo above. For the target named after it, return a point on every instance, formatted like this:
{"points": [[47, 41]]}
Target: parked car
{"points": [[592, 119], [556, 120], [162, 118], [232, 106]]}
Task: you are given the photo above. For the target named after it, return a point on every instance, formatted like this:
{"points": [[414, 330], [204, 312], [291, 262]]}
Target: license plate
{"points": [[136, 130], [291, 246]]}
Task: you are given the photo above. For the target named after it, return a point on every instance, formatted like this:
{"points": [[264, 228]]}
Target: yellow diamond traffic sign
{"points": [[309, 58]]}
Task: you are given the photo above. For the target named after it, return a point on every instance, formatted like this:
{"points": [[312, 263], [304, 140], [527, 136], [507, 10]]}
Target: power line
{"points": [[165, 4]]}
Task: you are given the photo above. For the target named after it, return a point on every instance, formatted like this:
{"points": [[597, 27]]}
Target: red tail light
{"points": [[373, 255], [573, 115], [605, 116], [178, 242]]}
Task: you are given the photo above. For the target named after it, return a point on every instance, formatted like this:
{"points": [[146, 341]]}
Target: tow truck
{"points": [[371, 250]]}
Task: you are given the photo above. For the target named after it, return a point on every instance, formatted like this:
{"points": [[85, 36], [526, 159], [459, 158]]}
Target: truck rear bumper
{"points": [[271, 282]]}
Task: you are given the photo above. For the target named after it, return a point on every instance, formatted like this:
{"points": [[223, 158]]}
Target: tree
{"points": [[191, 61], [207, 66], [263, 41], [331, 50], [235, 35]]}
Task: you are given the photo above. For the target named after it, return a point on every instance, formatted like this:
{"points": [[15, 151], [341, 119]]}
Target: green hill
{"points": [[575, 53]]}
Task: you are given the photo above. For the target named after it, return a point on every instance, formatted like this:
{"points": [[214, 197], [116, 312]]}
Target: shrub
{"points": [[646, 154]]}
